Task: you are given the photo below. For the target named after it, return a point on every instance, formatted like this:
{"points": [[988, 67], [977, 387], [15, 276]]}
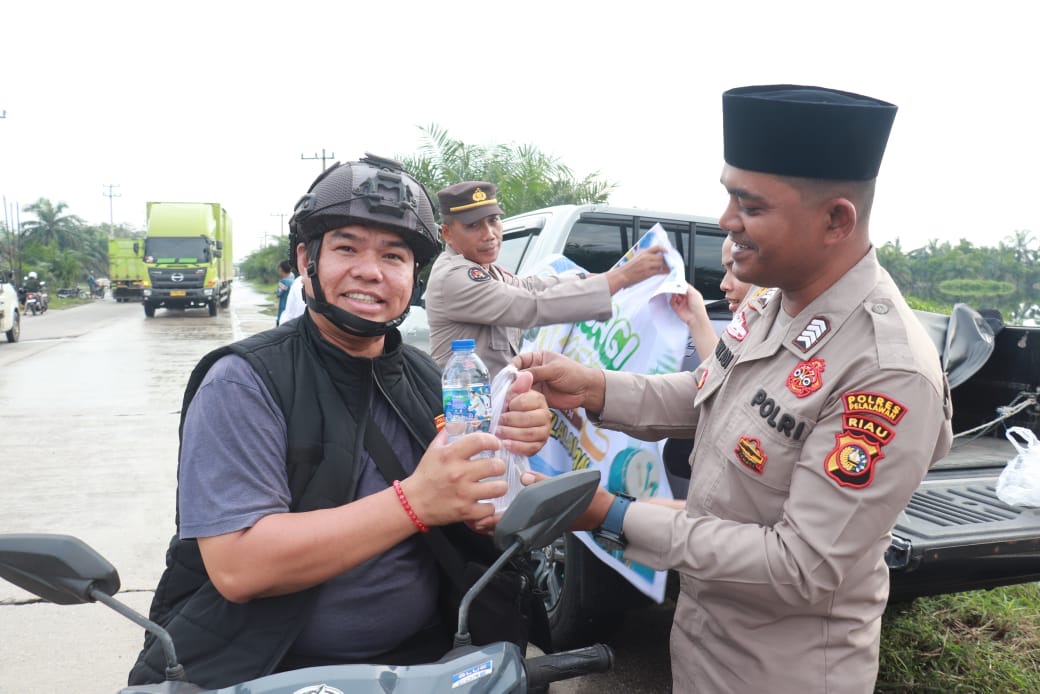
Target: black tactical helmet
{"points": [[373, 191]]}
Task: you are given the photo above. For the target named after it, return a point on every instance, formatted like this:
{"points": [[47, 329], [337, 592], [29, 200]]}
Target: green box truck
{"points": [[187, 251], [127, 273]]}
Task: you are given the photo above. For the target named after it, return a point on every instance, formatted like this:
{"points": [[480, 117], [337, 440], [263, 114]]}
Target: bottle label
{"points": [[470, 404]]}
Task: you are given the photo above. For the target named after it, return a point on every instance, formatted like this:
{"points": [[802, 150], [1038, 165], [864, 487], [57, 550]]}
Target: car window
{"points": [[597, 244], [513, 248], [704, 260]]}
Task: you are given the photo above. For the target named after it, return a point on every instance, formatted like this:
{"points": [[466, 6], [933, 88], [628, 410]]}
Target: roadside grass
{"points": [[984, 641]]}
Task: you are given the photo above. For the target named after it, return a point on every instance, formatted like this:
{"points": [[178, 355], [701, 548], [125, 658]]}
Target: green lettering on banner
{"points": [[615, 341]]}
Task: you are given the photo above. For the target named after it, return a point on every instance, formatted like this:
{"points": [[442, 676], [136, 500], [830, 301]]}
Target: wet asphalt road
{"points": [[90, 398]]}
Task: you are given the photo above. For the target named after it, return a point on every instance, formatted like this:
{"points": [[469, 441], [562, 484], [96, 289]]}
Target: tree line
{"points": [[63, 247], [60, 247]]}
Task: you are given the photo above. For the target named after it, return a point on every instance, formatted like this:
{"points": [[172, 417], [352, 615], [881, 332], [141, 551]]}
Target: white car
{"points": [[10, 312]]}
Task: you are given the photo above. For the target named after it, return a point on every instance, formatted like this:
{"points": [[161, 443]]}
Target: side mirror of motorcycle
{"points": [[543, 511], [59, 568]]}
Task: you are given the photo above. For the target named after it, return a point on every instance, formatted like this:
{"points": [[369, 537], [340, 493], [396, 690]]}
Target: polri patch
{"points": [[812, 333], [865, 402], [851, 462], [737, 328], [750, 454], [479, 274], [805, 379]]}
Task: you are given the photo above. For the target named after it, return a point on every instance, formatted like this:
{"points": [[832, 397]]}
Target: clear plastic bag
{"points": [[1019, 482], [516, 464]]}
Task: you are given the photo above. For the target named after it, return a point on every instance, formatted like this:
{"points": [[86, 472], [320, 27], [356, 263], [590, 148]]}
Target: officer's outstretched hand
{"points": [[647, 263], [446, 486], [524, 425], [565, 383]]}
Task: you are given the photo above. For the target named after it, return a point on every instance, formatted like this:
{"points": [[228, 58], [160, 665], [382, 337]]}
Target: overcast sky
{"points": [[217, 101]]}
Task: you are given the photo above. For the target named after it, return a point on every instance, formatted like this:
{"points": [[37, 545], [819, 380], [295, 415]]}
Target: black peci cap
{"points": [[808, 132]]}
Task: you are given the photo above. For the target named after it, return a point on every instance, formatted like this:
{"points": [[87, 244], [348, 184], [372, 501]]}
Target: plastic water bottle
{"points": [[466, 391]]}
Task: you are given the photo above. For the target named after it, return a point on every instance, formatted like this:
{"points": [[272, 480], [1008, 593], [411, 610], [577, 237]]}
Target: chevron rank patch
{"points": [[851, 462], [479, 274], [812, 333], [749, 453], [805, 379]]}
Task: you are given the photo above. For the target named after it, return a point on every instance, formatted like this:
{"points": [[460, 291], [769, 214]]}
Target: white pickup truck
{"points": [[955, 533], [10, 312]]}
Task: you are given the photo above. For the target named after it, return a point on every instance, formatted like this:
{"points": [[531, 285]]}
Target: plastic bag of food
{"points": [[1019, 482], [516, 464]]}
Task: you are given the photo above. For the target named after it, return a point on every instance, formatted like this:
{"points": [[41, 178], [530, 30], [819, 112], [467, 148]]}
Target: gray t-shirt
{"points": [[232, 474]]}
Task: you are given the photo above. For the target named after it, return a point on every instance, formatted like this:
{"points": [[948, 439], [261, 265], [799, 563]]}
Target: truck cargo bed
{"points": [[955, 534]]}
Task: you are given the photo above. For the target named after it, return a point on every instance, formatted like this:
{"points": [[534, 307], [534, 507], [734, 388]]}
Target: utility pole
{"points": [[322, 157], [110, 195], [281, 224]]}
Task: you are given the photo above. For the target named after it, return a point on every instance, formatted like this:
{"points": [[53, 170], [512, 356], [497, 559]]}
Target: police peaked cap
{"points": [[808, 132]]}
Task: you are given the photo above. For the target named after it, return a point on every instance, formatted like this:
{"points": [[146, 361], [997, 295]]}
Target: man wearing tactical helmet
{"points": [[311, 465]]}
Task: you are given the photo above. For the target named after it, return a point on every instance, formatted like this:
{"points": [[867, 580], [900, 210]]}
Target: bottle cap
{"points": [[462, 345]]}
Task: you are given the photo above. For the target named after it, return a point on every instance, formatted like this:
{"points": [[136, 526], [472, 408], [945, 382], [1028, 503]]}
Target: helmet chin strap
{"points": [[344, 320]]}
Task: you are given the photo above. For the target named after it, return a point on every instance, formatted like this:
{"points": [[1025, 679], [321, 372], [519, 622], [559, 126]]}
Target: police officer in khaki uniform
{"points": [[815, 420], [471, 297]]}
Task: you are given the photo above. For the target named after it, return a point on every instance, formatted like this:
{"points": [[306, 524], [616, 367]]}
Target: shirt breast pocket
{"points": [[758, 462]]}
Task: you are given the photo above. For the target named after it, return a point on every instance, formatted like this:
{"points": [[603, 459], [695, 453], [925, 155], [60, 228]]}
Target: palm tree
{"points": [[527, 178], [51, 227], [1021, 242]]}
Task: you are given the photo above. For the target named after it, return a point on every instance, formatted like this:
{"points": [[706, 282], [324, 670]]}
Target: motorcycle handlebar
{"points": [[543, 669]]}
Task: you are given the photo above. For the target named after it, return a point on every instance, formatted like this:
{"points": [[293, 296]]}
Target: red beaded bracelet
{"points": [[423, 528]]}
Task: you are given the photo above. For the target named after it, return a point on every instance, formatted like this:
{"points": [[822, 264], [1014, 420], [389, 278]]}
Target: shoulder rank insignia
{"points": [[761, 297], [851, 463], [479, 274], [812, 333], [805, 379]]}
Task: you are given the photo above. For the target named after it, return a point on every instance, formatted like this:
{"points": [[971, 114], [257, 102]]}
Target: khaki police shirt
{"points": [[810, 440], [465, 300]]}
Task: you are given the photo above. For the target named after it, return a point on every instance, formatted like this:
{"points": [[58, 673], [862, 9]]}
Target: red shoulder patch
{"points": [[479, 274], [851, 462]]}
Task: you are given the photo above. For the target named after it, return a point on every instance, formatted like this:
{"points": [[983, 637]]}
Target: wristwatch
{"points": [[609, 535]]}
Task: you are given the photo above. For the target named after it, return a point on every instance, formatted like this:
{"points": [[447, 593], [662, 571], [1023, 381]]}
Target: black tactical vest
{"points": [[221, 643]]}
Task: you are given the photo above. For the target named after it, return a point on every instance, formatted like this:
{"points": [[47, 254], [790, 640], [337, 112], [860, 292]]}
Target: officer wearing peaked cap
{"points": [[815, 420], [470, 296]]}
